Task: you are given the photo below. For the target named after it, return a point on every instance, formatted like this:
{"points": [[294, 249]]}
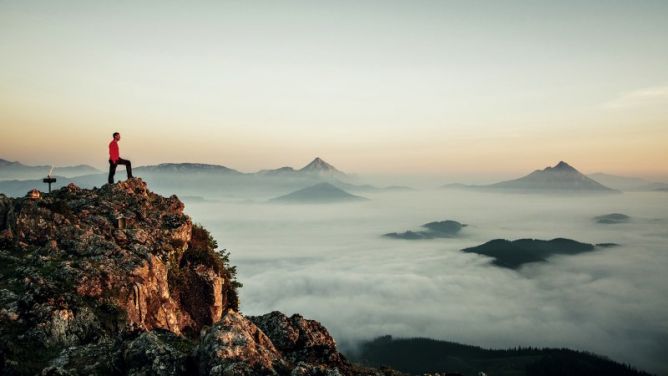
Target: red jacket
{"points": [[113, 151]]}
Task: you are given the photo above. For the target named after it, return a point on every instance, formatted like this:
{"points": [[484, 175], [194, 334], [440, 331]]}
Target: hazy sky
{"points": [[429, 87]]}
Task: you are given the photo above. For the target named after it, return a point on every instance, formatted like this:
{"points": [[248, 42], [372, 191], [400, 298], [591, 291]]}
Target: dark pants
{"points": [[112, 168]]}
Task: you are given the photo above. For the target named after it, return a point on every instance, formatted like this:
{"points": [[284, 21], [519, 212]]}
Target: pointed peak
{"points": [[320, 166], [318, 162], [562, 166]]}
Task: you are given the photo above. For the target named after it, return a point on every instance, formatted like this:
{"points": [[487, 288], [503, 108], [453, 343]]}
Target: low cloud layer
{"points": [[330, 263]]}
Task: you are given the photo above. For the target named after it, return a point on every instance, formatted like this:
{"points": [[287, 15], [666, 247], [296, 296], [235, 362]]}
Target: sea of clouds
{"points": [[330, 263]]}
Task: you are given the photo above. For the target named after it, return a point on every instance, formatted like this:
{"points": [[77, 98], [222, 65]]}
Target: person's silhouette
{"points": [[115, 159]]}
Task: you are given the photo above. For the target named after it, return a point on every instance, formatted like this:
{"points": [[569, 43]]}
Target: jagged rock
{"points": [[305, 369], [78, 266], [158, 353], [300, 339], [62, 327], [103, 357], [235, 346], [118, 281]]}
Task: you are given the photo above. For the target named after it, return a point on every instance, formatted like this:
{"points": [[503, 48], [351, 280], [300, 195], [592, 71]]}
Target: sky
{"points": [[448, 88]]}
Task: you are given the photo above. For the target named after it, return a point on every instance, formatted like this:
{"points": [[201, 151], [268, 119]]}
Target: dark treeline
{"points": [[423, 355]]}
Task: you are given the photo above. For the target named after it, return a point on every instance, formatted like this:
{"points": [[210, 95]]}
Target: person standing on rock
{"points": [[115, 159]]}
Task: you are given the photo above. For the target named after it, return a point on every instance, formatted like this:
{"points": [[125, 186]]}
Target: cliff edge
{"points": [[117, 280]]}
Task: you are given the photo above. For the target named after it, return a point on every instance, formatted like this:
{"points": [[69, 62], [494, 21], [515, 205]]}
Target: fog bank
{"points": [[330, 263]]}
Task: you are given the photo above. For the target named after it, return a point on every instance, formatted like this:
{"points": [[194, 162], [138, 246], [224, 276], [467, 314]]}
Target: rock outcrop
{"points": [[300, 339], [118, 280]]}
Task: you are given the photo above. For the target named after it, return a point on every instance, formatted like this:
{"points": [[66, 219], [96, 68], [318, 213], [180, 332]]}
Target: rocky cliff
{"points": [[118, 280]]}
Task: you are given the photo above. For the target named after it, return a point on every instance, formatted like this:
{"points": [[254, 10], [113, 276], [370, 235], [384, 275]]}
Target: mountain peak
{"points": [[562, 166], [318, 165], [561, 177], [10, 170]]}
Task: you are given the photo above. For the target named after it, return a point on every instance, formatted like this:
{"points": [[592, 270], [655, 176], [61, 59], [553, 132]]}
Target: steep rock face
{"points": [[80, 265], [118, 280]]}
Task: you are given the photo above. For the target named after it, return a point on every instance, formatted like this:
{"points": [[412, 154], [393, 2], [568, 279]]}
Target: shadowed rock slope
{"points": [[118, 280]]}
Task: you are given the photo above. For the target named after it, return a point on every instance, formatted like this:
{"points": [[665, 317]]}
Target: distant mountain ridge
{"points": [[11, 170], [560, 178], [419, 356], [626, 183], [317, 167], [278, 171], [187, 167], [17, 170], [203, 178]]}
